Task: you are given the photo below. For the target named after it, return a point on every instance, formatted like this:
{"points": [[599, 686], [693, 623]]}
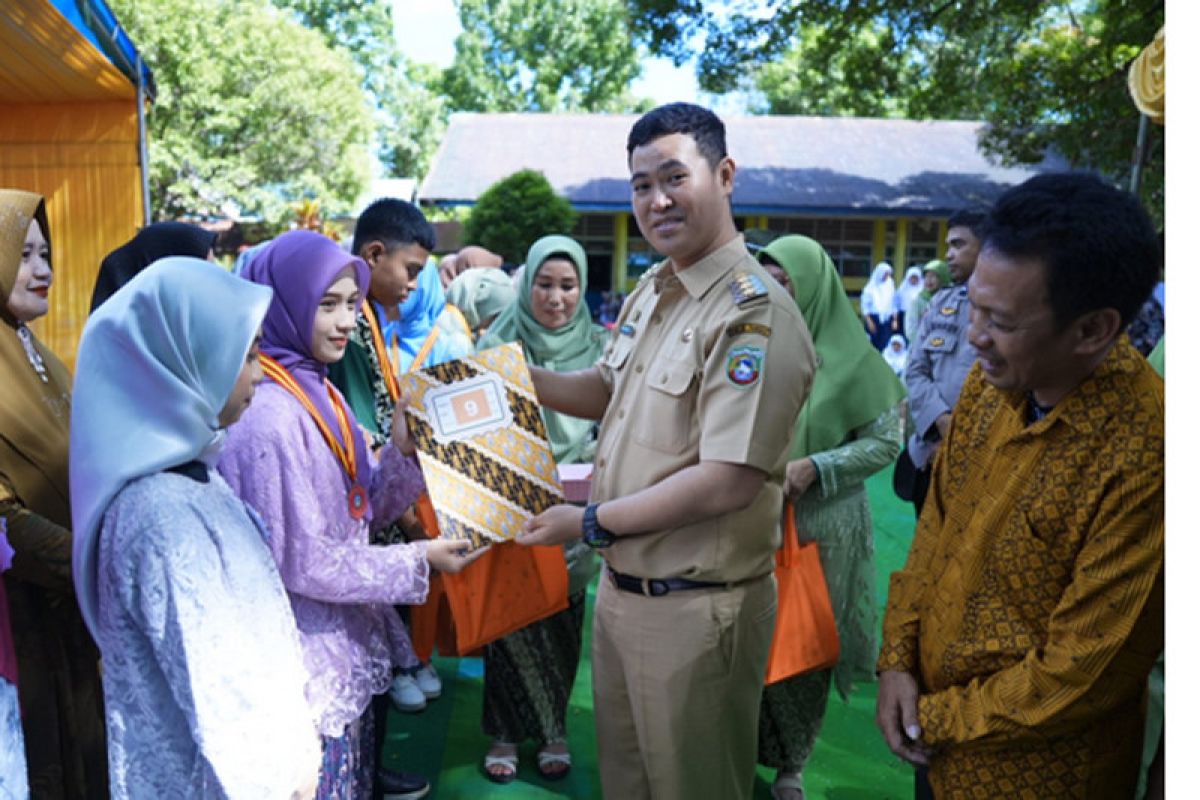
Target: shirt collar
{"points": [[1088, 405], [704, 274]]}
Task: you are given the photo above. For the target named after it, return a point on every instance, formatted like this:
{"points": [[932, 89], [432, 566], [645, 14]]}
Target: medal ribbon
{"points": [[386, 364], [345, 455]]}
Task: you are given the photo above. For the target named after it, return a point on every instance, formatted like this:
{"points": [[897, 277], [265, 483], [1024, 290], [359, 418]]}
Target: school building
{"points": [[868, 190]]}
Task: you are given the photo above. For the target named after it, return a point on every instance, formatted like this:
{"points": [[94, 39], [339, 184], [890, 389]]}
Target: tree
{"points": [[410, 114], [1044, 74], [252, 109], [515, 212], [532, 55]]}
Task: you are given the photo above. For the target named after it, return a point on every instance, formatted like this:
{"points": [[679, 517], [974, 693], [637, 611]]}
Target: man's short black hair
{"points": [[970, 218], [395, 223], [701, 124], [1096, 243]]}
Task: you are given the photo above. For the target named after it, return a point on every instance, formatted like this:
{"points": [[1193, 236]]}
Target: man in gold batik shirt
{"points": [[697, 392], [1018, 636]]}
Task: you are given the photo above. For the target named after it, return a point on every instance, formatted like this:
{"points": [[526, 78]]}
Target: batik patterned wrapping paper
{"points": [[481, 444]]}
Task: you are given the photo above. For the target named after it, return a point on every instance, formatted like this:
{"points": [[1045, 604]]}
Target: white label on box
{"points": [[469, 408]]}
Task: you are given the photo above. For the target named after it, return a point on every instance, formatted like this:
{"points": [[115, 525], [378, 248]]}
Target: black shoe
{"points": [[392, 785]]}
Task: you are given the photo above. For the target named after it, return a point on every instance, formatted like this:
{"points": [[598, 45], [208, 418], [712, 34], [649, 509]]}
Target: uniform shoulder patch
{"points": [[746, 288], [744, 366]]}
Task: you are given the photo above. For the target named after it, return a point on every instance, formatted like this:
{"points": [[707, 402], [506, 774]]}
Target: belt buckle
{"points": [[650, 586]]}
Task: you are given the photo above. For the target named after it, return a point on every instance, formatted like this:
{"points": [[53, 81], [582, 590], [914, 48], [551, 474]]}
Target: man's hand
{"points": [[870, 325], [555, 525], [943, 425], [800, 476], [450, 555], [896, 716], [400, 437]]}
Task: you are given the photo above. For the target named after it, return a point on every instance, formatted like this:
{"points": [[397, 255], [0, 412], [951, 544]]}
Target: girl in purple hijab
{"points": [[298, 458]]}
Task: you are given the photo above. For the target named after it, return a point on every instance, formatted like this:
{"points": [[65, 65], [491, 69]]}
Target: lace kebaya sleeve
{"points": [[276, 461]]}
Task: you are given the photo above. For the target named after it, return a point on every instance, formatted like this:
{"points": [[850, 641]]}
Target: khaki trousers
{"points": [[677, 682]]}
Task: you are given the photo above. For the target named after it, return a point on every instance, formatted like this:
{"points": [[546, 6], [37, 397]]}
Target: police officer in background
{"points": [[940, 356], [697, 393]]}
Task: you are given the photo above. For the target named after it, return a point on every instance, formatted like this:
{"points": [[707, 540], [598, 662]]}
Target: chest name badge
{"points": [[744, 367], [949, 311], [748, 327]]}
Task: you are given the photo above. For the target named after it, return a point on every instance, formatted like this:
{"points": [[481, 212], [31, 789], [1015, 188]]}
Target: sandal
{"points": [[784, 781], [508, 761], [546, 760]]}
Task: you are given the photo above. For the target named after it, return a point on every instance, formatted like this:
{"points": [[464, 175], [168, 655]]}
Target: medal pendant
{"points": [[358, 502]]}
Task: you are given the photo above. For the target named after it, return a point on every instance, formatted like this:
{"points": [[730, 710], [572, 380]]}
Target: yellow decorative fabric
{"points": [[1148, 79], [496, 469], [1031, 606], [68, 131]]}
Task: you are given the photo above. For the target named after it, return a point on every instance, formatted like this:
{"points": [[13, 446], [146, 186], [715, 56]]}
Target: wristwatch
{"points": [[595, 535]]}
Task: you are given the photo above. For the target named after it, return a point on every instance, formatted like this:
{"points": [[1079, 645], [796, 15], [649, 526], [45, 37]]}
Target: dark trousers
{"points": [[921, 788], [921, 488]]}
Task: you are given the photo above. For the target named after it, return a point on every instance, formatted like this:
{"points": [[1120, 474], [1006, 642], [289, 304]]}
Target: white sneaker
{"points": [[428, 680], [406, 695]]}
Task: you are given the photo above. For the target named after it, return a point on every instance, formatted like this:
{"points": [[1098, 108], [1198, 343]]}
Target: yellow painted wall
{"points": [[83, 158]]}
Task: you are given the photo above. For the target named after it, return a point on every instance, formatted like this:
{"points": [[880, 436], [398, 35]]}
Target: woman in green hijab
{"points": [[528, 675], [936, 276], [849, 429]]}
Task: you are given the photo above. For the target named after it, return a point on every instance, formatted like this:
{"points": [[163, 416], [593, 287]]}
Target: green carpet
{"points": [[850, 762]]}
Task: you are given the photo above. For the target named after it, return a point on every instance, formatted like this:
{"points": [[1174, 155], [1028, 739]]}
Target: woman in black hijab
{"points": [[151, 243]]}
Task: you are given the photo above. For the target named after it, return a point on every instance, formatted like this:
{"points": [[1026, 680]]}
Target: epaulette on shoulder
{"points": [[746, 288], [649, 274]]}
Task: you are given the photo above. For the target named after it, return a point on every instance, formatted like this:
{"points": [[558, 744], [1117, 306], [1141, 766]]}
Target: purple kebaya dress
{"points": [[341, 587]]}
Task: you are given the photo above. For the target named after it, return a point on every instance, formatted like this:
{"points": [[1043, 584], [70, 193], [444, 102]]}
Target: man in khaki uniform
{"points": [[698, 392]]}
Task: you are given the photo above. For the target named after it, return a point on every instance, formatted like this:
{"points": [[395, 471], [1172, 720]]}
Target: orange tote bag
{"points": [[806, 637], [509, 587]]}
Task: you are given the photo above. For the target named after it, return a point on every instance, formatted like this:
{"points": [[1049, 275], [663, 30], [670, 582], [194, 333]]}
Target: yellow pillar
{"points": [[943, 229], [879, 245], [901, 248], [762, 222], [620, 262]]}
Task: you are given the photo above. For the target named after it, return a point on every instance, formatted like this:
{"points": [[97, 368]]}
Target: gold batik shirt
{"points": [[1031, 606]]}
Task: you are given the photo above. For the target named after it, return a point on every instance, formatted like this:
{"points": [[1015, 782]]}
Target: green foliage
{"points": [[410, 115], [252, 108], [1043, 73], [515, 212], [534, 55]]}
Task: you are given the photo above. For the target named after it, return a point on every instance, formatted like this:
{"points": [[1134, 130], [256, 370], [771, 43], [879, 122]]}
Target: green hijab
{"points": [[576, 345], [943, 272], [480, 293], [853, 384]]}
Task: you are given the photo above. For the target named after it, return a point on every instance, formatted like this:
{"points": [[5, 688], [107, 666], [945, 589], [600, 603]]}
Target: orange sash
{"points": [[347, 455], [385, 363]]}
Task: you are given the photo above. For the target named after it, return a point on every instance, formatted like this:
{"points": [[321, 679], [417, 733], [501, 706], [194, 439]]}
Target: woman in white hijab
{"points": [[878, 305], [203, 675], [896, 354], [910, 289]]}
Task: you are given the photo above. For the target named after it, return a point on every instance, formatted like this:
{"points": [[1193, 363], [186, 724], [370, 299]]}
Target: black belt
{"points": [[657, 587]]}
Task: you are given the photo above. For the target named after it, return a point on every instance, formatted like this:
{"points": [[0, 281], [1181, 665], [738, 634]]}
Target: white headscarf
{"points": [[879, 295], [908, 292], [896, 359], [156, 364]]}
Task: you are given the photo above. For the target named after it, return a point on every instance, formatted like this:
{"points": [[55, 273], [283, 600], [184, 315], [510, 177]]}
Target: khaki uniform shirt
{"points": [[710, 364]]}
